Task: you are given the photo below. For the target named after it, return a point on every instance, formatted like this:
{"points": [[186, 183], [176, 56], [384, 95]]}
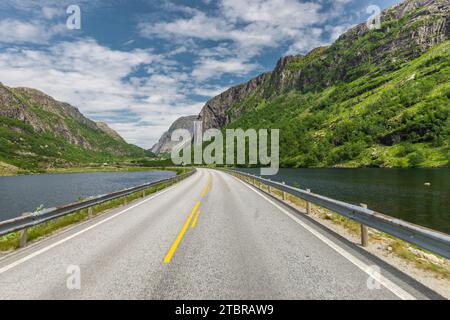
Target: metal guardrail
{"points": [[434, 241], [32, 219]]}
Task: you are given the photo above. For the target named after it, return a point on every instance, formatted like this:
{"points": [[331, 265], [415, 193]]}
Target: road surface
{"points": [[209, 237]]}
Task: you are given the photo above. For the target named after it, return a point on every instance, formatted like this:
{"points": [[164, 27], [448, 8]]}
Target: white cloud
{"points": [[337, 31], [36, 6], [285, 14], [104, 83], [209, 91], [52, 12], [96, 79], [212, 68], [242, 30], [18, 32], [198, 26], [302, 44]]}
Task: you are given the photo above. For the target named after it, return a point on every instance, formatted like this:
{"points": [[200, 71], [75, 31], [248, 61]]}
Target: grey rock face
{"points": [[214, 113], [165, 144]]}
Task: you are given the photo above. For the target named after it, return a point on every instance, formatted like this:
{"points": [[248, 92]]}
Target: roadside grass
{"points": [[420, 258], [11, 241], [8, 170], [111, 169]]}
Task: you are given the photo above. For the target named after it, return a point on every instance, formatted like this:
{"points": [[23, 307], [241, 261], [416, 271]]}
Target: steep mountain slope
{"points": [[373, 98], [165, 144], [408, 30], [110, 132], [38, 131]]}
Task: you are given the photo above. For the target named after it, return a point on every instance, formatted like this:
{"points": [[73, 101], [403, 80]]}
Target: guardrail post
{"points": [[143, 193], [269, 188], [23, 234], [284, 194], [364, 231], [90, 213], [125, 201], [308, 204]]}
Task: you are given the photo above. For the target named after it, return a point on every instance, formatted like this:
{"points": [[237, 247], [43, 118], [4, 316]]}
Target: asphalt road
{"points": [[209, 237]]}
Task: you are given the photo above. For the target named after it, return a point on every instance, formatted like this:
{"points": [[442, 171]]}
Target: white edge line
{"points": [[53, 245], [388, 284]]}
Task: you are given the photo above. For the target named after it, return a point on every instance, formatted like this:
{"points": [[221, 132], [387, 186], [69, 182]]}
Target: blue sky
{"points": [[140, 64]]}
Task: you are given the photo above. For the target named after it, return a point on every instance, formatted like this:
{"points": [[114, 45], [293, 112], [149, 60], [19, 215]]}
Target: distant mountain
{"points": [[376, 97], [37, 131], [165, 144]]}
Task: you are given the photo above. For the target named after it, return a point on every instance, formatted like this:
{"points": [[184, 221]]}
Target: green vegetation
{"points": [[110, 169], [54, 134], [23, 147], [378, 116], [147, 162]]}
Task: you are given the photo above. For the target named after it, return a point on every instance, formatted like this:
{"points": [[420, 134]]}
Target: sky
{"points": [[140, 64]]}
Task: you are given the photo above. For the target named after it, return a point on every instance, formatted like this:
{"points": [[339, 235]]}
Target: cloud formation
{"points": [[96, 79], [170, 59]]}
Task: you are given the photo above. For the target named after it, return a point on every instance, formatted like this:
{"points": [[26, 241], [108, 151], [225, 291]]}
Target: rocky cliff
{"points": [[165, 144]]}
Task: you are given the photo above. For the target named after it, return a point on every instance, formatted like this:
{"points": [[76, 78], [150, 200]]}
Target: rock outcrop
{"points": [[165, 144]]}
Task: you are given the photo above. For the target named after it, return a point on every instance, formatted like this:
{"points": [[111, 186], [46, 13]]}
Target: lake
{"points": [[25, 193], [400, 193]]}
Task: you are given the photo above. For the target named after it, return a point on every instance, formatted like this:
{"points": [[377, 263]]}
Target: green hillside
{"points": [[397, 118], [38, 132]]}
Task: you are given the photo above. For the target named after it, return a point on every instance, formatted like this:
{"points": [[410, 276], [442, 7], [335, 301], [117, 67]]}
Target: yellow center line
{"points": [[208, 183], [180, 236], [194, 223], [186, 225]]}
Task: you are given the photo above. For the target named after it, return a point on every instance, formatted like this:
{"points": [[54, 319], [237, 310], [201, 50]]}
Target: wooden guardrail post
{"points": [[364, 231], [283, 194], [269, 188], [125, 201], [23, 234], [143, 193], [308, 204], [90, 212]]}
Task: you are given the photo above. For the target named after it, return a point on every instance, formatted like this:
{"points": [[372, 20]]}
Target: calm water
{"points": [[21, 194], [396, 192]]}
